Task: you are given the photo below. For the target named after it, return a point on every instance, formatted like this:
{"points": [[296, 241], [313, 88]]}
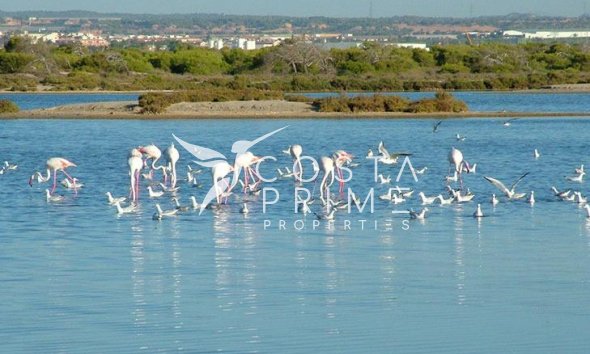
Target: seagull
{"points": [[532, 198], [388, 158], [436, 125], [113, 201], [194, 203], [169, 189], [427, 200], [154, 194], [329, 216], [460, 198], [369, 154], [454, 178], [404, 192], [53, 198], [244, 209], [160, 214], [536, 154], [287, 151], [125, 210], [74, 184], [469, 168], [418, 215], [180, 207], [478, 213], [510, 193], [508, 122], [561, 194], [384, 180], [581, 199], [444, 201], [10, 167], [569, 198], [421, 171], [460, 137], [587, 210], [580, 170], [285, 174], [397, 199], [494, 200], [578, 178]]}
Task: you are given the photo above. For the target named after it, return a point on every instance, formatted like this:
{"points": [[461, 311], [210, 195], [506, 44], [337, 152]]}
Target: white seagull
{"points": [[125, 210], [113, 201], [418, 215], [160, 214], [154, 194], [478, 213], [510, 193], [427, 200]]}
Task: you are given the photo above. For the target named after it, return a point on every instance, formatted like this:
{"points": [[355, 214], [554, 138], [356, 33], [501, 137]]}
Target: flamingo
{"points": [[218, 172], [54, 165], [172, 156], [245, 161], [295, 151], [153, 152], [456, 159], [327, 167], [135, 165]]}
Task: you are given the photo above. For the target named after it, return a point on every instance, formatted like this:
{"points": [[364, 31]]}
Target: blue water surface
{"points": [[77, 278]]}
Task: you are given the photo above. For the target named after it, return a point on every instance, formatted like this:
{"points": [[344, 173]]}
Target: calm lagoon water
{"points": [[78, 279]]}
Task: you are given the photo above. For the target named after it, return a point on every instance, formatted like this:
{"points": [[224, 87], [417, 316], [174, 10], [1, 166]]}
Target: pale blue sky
{"points": [[332, 8]]}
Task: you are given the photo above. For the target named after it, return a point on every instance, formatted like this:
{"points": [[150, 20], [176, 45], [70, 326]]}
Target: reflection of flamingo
{"points": [[172, 156], [135, 165], [295, 151], [153, 152], [54, 165]]}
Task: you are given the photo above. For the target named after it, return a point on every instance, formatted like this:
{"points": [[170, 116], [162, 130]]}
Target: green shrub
{"points": [[7, 106]]}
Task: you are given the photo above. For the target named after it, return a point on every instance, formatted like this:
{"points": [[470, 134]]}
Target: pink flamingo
{"points": [[154, 153], [172, 155], [341, 157], [135, 165], [54, 165], [295, 151]]}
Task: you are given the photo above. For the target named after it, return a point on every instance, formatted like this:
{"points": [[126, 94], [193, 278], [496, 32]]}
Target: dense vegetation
{"points": [[294, 66], [157, 102], [7, 106]]}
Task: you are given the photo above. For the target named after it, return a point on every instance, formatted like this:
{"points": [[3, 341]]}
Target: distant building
{"points": [[547, 34], [216, 43]]}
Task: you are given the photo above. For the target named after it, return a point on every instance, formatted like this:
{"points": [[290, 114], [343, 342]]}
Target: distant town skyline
{"points": [[305, 8]]}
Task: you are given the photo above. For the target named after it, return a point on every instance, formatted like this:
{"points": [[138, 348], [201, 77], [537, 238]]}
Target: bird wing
{"points": [[518, 180], [383, 150], [436, 125], [398, 154], [510, 120], [498, 185], [201, 153]]}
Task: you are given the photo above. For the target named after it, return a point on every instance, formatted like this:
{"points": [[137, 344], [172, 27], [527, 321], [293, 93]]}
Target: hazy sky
{"points": [[333, 8]]}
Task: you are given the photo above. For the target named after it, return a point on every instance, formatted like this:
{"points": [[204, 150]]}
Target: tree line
{"points": [[294, 66]]}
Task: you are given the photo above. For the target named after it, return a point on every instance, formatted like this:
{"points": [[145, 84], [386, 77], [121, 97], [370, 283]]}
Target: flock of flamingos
{"points": [[147, 162]]}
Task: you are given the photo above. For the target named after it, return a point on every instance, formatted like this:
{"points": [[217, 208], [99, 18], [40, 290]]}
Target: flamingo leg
{"points": [[137, 175], [54, 181]]}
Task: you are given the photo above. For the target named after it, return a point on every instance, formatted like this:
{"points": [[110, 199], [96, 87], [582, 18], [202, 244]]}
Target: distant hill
{"points": [[398, 25]]}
